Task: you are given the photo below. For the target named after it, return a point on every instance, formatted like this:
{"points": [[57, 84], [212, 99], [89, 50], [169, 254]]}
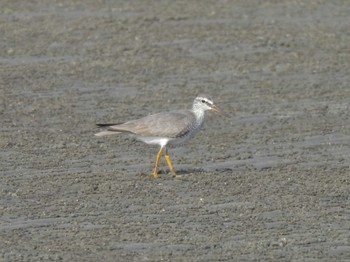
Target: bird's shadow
{"points": [[182, 172]]}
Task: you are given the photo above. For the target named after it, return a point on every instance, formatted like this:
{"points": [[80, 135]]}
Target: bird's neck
{"points": [[199, 113]]}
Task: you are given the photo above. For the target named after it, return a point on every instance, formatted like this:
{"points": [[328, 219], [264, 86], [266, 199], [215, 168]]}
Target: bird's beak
{"points": [[218, 110], [215, 109]]}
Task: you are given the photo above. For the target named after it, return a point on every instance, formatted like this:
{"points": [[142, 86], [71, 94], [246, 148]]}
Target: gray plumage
{"points": [[172, 127], [177, 125]]}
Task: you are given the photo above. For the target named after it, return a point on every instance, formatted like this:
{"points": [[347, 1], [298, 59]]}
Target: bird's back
{"points": [[175, 124]]}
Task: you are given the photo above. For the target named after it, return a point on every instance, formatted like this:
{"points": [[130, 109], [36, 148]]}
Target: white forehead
{"points": [[206, 98]]}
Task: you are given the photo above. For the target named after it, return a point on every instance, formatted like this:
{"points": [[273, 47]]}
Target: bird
{"points": [[165, 128]]}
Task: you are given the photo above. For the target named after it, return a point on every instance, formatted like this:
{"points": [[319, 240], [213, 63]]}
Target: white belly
{"points": [[161, 141]]}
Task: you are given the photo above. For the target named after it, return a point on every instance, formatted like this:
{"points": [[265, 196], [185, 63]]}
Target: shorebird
{"points": [[166, 128]]}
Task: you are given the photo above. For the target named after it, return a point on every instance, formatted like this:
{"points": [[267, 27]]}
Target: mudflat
{"points": [[270, 182]]}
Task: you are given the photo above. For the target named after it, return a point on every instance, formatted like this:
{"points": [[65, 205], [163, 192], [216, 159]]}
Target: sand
{"points": [[270, 182]]}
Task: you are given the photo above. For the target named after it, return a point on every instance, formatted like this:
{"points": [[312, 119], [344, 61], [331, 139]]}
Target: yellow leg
{"points": [[167, 159], [155, 172]]}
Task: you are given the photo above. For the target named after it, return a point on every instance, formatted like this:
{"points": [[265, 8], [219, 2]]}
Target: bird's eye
{"points": [[203, 101]]}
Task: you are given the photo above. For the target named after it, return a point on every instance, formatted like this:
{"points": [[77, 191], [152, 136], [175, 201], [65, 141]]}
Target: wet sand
{"points": [[268, 183]]}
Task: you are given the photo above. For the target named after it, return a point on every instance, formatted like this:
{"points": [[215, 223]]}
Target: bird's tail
{"points": [[106, 125], [107, 133]]}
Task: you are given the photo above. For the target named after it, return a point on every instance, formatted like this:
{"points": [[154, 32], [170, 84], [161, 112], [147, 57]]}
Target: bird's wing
{"points": [[170, 124]]}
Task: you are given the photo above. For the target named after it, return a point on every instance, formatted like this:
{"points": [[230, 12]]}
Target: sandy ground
{"points": [[268, 183]]}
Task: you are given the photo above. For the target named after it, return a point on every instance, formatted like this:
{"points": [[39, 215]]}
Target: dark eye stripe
{"points": [[205, 102]]}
